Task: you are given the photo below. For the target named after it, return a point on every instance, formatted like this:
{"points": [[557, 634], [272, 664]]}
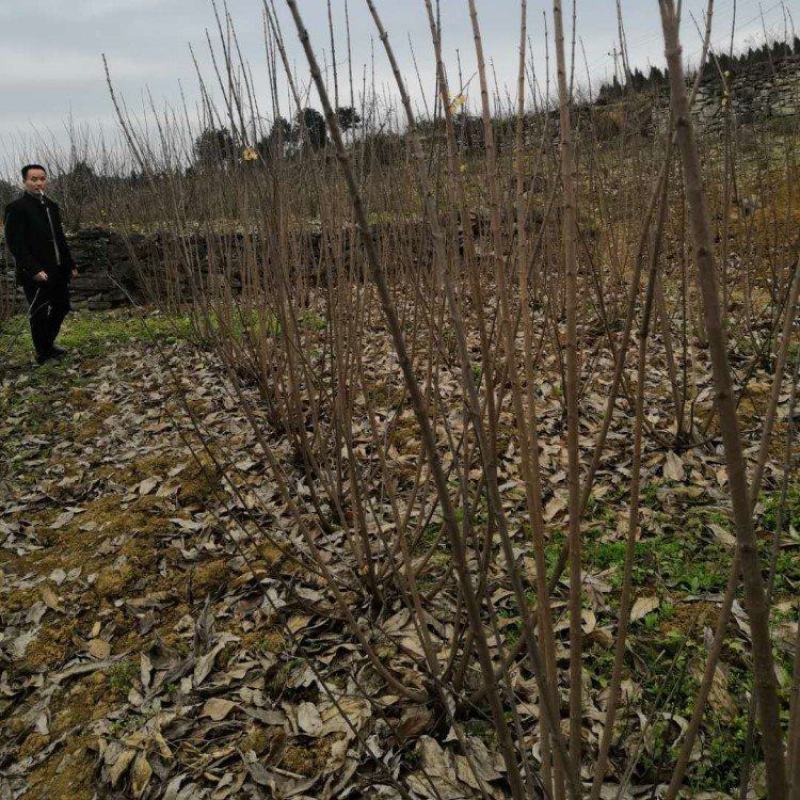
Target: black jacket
{"points": [[35, 237]]}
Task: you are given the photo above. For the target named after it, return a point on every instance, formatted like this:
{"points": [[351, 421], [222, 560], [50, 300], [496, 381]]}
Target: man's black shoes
{"points": [[55, 353]]}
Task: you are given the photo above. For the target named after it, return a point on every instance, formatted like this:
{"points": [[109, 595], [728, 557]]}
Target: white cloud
{"points": [[103, 7], [58, 68], [64, 9]]}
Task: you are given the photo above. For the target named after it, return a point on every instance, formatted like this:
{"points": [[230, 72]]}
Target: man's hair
{"points": [[28, 167]]}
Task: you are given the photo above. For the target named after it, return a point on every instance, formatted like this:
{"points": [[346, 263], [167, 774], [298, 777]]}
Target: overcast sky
{"points": [[51, 69]]}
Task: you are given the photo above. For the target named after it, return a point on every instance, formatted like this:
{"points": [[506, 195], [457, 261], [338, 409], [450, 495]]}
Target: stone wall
{"points": [[759, 92], [113, 268], [105, 261]]}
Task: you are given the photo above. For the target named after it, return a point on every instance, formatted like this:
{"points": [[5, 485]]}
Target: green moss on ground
{"points": [[88, 334]]}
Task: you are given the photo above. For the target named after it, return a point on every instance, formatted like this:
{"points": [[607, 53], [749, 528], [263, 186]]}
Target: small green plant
{"points": [[791, 511], [313, 321], [721, 761], [121, 675], [650, 495]]}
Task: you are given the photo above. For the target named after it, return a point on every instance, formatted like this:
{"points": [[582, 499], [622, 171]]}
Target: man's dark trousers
{"points": [[49, 304]]}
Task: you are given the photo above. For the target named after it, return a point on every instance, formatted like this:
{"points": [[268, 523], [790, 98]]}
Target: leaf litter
{"points": [[153, 645]]}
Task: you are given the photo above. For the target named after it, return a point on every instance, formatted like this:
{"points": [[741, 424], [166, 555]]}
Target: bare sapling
{"points": [[755, 595]]}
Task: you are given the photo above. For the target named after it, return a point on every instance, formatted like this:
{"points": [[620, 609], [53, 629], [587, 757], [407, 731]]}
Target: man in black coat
{"points": [[44, 264]]}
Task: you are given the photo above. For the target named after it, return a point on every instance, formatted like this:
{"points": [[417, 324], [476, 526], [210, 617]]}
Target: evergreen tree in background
{"points": [[273, 144], [214, 147], [310, 128], [348, 118]]}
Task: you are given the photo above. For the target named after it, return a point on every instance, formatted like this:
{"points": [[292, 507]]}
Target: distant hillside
{"points": [[760, 84], [753, 62]]}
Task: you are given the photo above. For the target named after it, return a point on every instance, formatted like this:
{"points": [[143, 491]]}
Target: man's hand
{"points": [[74, 272], [40, 277]]}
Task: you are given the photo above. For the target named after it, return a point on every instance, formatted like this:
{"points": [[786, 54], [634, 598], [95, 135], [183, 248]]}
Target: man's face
{"points": [[36, 180]]}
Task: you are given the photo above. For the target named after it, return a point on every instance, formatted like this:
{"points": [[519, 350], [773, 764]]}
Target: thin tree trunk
{"points": [[755, 595], [601, 764], [573, 476]]}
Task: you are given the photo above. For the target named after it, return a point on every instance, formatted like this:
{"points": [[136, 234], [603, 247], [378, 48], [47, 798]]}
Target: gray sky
{"points": [[50, 50]]}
